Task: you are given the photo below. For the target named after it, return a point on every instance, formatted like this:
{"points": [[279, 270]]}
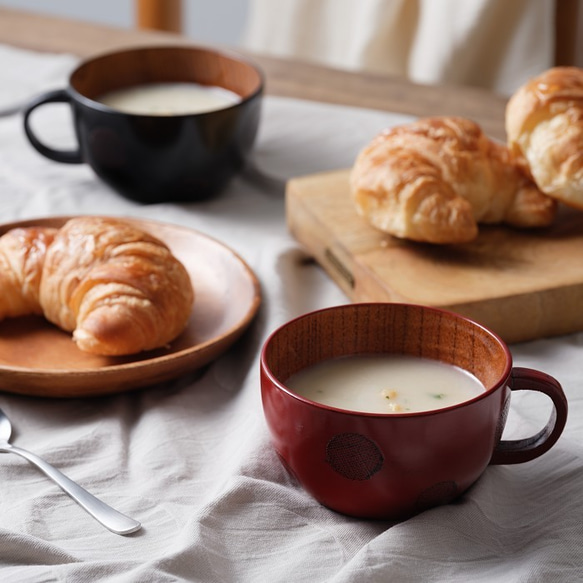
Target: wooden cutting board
{"points": [[521, 284]]}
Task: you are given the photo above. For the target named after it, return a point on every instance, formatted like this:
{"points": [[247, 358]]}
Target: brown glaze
{"points": [[165, 64], [378, 328]]}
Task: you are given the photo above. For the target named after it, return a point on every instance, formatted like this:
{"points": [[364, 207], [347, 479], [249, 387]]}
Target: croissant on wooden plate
{"points": [[118, 289], [544, 125], [435, 179]]}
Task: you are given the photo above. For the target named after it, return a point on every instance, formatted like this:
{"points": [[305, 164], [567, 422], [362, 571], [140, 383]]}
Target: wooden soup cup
{"points": [[393, 465]]}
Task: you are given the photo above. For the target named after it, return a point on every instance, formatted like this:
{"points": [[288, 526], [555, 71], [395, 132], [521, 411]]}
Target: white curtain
{"points": [[496, 44]]}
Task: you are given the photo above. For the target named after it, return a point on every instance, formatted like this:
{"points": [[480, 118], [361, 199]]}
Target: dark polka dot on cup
{"points": [[354, 456]]}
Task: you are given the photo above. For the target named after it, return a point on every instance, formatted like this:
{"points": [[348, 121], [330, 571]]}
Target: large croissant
{"points": [[435, 179], [117, 288], [544, 125]]}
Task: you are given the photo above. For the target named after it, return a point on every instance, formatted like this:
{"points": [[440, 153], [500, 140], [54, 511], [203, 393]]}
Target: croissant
{"points": [[435, 179], [544, 127], [118, 289], [22, 255]]}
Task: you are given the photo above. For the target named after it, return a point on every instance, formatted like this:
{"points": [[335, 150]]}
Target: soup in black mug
{"points": [[161, 153]]}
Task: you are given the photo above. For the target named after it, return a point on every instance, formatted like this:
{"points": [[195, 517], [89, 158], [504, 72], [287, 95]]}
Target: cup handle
{"points": [[65, 156], [522, 450]]}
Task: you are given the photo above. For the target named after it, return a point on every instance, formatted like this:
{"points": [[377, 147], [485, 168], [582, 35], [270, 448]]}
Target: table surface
{"points": [[285, 77], [191, 458]]}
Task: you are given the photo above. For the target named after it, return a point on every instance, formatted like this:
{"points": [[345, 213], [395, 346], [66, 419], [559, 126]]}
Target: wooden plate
{"points": [[36, 358]]}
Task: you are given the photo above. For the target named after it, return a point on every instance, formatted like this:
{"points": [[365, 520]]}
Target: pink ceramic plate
{"points": [[38, 359]]}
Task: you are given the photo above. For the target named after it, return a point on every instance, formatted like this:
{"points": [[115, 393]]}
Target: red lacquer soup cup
{"points": [[394, 465]]}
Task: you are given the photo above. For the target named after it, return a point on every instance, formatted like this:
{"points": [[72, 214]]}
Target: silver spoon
{"points": [[110, 518]]}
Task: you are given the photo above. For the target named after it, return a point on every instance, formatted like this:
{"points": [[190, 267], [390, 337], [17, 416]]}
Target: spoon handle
{"points": [[110, 518]]}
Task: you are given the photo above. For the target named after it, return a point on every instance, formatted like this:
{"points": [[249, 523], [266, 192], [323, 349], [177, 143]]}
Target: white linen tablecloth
{"points": [[191, 458]]}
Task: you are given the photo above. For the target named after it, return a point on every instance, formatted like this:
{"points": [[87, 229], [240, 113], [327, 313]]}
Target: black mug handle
{"points": [[65, 156]]}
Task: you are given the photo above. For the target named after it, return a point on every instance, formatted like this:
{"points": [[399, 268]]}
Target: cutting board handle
{"points": [[523, 450]]}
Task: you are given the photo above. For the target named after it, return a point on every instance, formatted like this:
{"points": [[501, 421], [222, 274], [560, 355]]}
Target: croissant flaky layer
{"points": [[118, 289], [435, 179], [544, 126], [22, 255]]}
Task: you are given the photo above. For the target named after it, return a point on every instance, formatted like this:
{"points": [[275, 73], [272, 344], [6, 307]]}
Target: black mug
{"points": [[159, 158]]}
